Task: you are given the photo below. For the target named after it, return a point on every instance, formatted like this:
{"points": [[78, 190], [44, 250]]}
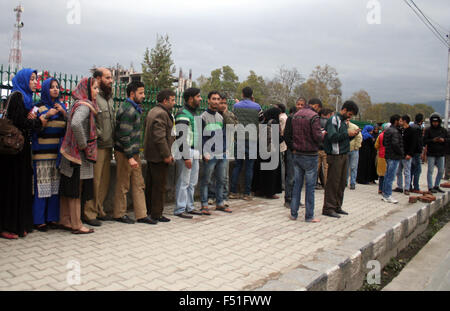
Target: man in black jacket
{"points": [[393, 143], [435, 138], [409, 146]]}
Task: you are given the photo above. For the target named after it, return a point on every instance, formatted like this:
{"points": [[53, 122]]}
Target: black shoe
{"points": [[352, 187], [93, 222], [125, 219], [432, 190], [194, 212], [147, 220], [163, 219], [342, 212], [398, 190], [105, 218], [183, 215], [439, 189], [331, 214]]}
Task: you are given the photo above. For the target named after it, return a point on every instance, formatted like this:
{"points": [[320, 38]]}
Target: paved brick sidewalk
{"points": [[239, 251]]}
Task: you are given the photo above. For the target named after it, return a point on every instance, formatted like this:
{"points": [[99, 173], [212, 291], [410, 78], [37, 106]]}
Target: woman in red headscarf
{"points": [[79, 153]]}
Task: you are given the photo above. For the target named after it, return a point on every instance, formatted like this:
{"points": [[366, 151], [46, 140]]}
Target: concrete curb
{"points": [[345, 265]]}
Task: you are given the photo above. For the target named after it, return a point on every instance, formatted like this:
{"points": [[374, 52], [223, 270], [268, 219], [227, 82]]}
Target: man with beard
{"points": [[93, 210], [127, 145], [337, 147], [187, 160]]}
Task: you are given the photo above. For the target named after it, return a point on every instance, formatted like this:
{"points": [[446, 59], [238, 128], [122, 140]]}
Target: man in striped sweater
{"points": [[127, 143]]}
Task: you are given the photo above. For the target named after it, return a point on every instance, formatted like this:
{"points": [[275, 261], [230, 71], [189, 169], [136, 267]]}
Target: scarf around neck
{"points": [[69, 148]]}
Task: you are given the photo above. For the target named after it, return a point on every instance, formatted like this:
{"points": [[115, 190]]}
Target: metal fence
{"points": [[69, 82]]}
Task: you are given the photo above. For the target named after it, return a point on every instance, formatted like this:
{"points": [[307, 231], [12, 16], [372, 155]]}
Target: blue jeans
{"points": [[439, 162], [380, 183], [226, 183], [416, 170], [391, 171], [305, 168], [238, 164], [289, 184], [404, 167], [185, 188], [353, 159], [218, 166]]}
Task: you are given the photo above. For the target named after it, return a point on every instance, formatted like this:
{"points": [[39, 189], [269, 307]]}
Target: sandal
{"points": [[9, 236], [223, 209], [205, 211], [82, 232]]}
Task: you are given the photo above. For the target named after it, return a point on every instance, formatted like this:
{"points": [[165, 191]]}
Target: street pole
{"points": [[337, 103], [447, 99]]}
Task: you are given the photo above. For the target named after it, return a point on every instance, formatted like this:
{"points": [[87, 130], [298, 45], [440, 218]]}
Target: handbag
{"points": [[11, 138]]}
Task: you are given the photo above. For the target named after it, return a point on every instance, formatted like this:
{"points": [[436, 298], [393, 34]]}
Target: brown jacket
{"points": [[158, 134]]}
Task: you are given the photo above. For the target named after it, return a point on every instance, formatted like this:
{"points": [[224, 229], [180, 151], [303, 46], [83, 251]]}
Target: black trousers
{"points": [[155, 190]]}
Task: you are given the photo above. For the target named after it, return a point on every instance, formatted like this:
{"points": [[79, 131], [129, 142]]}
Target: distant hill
{"points": [[438, 106]]}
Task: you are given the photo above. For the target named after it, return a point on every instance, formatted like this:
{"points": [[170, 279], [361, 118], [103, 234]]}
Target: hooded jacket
{"points": [[435, 149]]}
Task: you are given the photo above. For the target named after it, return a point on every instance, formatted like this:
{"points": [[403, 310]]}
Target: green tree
{"points": [[323, 83], [158, 66], [383, 112], [282, 88], [258, 86], [362, 99], [222, 79]]}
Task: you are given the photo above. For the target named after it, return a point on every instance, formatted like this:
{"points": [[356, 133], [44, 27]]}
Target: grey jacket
{"points": [[80, 128], [105, 122]]}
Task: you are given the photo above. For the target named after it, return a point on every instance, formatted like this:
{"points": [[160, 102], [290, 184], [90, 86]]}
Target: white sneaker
{"points": [[390, 200]]}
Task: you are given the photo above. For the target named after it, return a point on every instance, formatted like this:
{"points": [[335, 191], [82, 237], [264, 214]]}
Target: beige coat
{"points": [[355, 143]]}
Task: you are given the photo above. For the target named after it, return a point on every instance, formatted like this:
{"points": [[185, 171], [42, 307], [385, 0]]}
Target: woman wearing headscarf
{"points": [[267, 183], [367, 172], [16, 190], [381, 161], [46, 156], [79, 153]]}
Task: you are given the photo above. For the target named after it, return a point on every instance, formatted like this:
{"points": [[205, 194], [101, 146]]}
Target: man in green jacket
{"points": [[105, 120], [337, 147], [188, 128]]}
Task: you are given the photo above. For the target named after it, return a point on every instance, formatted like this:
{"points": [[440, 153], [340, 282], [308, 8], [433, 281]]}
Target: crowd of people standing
{"points": [[60, 179]]}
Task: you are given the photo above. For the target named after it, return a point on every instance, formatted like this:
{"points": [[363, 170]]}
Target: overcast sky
{"points": [[396, 60]]}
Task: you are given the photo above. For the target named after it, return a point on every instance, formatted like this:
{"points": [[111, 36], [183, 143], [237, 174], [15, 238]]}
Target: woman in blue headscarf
{"points": [[16, 216], [367, 172], [46, 144]]}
